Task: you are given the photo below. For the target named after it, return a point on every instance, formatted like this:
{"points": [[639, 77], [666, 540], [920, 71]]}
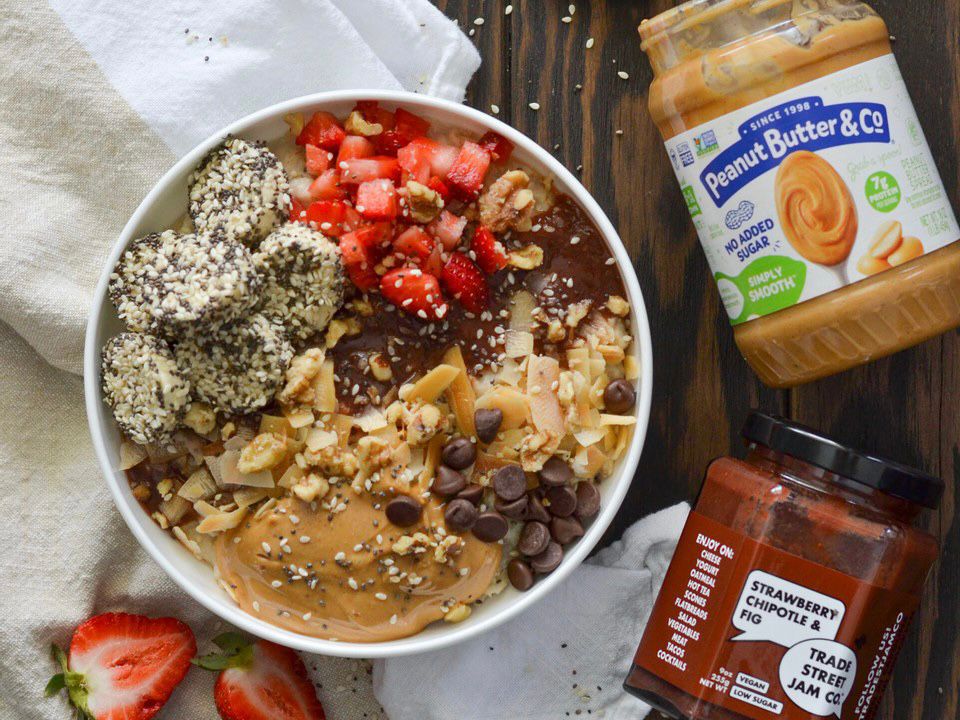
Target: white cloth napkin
{"points": [[570, 652], [98, 98]]}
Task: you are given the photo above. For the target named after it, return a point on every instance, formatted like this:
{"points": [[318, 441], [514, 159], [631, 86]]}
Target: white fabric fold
{"points": [[569, 652]]}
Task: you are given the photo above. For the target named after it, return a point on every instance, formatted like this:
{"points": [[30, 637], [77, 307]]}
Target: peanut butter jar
{"points": [[806, 172]]}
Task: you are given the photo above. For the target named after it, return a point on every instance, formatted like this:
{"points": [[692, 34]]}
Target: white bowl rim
{"points": [[225, 608]]}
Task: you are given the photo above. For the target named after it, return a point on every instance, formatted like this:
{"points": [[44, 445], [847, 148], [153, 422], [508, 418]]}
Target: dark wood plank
{"points": [[902, 406]]}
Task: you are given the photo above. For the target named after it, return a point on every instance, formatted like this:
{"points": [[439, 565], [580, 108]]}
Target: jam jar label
{"points": [[813, 189], [765, 633]]}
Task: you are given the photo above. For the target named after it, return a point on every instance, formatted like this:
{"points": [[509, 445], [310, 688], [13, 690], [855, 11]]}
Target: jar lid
{"points": [[806, 444]]}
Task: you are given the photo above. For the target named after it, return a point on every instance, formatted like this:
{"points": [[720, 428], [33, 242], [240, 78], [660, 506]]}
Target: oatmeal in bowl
{"points": [[370, 374]]}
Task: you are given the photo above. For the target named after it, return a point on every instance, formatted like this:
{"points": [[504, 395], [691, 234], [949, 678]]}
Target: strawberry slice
{"points": [[466, 283], [377, 200], [354, 146], [358, 260], [123, 667], [260, 681], [498, 146], [317, 158], [448, 229], [415, 292], [490, 254], [358, 170], [327, 186], [466, 175], [322, 130]]}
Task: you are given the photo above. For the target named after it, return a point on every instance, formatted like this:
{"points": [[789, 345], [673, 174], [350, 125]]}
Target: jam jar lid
{"points": [[806, 444]]}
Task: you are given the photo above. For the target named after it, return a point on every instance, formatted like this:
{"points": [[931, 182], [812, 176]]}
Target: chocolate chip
{"points": [[460, 515], [534, 538], [619, 397], [472, 492], [403, 511], [513, 509], [487, 422], [490, 527], [554, 473], [520, 574], [459, 454], [562, 501], [448, 482], [565, 529], [510, 482], [588, 500], [536, 510], [548, 560]]}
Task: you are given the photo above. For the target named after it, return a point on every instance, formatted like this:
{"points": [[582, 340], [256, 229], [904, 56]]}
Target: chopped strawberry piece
{"points": [[408, 126], [358, 261], [490, 253], [498, 146], [415, 292], [333, 217], [439, 187], [373, 113], [354, 146], [465, 177], [358, 170], [448, 229], [466, 283], [414, 244], [260, 681], [318, 159], [123, 667], [412, 125], [377, 200], [424, 157], [322, 130], [297, 210], [327, 186]]}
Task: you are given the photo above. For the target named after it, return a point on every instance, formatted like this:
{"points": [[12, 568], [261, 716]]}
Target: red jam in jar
{"points": [[793, 583]]}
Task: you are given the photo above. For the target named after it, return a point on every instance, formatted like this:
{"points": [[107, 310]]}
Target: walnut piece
{"points": [[508, 204], [424, 204], [526, 258], [310, 487], [303, 369], [356, 124]]}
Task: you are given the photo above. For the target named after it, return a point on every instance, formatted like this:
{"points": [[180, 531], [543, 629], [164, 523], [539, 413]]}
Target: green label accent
{"points": [[766, 286], [691, 197], [883, 191]]}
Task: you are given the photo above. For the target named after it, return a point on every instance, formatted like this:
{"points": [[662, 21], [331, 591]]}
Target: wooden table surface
{"points": [[904, 407]]}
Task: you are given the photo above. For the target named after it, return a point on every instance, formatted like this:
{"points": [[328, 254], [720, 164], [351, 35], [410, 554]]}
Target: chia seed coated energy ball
{"points": [[302, 278], [143, 386], [241, 190], [239, 367], [172, 284]]}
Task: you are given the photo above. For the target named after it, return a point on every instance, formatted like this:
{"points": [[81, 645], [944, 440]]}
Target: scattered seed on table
{"points": [[495, 109], [566, 19], [478, 21], [622, 75], [508, 9], [589, 43], [534, 106]]}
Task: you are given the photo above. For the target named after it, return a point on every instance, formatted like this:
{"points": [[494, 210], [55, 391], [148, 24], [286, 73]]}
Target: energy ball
{"points": [[171, 284], [241, 190], [239, 367], [302, 279], [143, 386]]}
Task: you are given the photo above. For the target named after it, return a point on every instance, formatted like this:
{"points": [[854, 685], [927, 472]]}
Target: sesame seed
{"points": [[508, 9], [572, 9], [622, 75], [276, 584], [534, 106], [479, 21], [589, 43], [566, 19], [495, 109]]}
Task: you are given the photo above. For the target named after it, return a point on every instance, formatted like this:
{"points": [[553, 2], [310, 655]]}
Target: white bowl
{"points": [[166, 202]]}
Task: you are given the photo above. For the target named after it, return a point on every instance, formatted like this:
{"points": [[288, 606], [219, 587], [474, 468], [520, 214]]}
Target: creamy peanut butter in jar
{"points": [[806, 172]]}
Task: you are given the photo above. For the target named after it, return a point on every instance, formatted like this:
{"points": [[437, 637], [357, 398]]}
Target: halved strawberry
{"points": [[317, 159], [498, 146], [358, 170], [322, 130], [466, 175], [448, 229], [123, 667], [332, 217], [358, 260], [414, 291], [260, 681], [354, 146], [377, 200], [327, 186], [490, 253], [466, 283], [297, 210]]}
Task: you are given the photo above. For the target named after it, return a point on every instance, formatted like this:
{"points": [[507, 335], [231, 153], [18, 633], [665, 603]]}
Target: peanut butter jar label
{"points": [[813, 189], [765, 633]]}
